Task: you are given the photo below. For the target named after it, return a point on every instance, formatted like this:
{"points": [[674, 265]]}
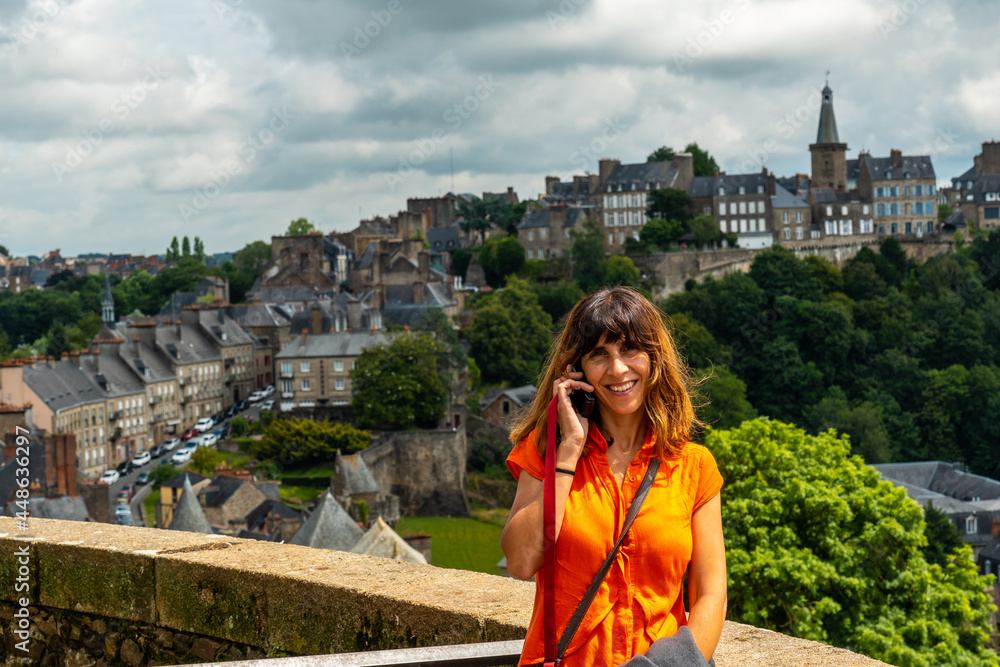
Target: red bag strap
{"points": [[549, 535]]}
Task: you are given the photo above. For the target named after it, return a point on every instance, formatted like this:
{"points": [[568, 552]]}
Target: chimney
{"points": [[771, 184], [378, 297], [354, 314], [424, 261], [989, 162], [684, 165], [896, 158], [302, 339], [177, 328], [50, 362], [604, 168], [418, 292], [317, 319], [550, 184], [136, 345]]}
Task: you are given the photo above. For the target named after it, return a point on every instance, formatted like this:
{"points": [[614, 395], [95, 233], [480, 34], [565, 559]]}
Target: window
{"points": [[893, 209], [814, 234], [743, 224], [732, 208], [306, 385], [920, 228], [304, 366], [846, 227], [531, 234], [881, 229], [743, 206], [338, 365], [743, 190], [830, 228], [753, 207], [722, 226], [760, 189], [621, 237], [930, 227], [906, 191], [879, 192], [798, 233], [798, 216], [991, 212], [971, 525], [338, 384], [843, 210], [918, 208], [611, 238], [787, 233], [918, 190], [930, 189], [531, 253], [722, 191], [543, 233], [893, 228], [784, 217], [287, 387], [722, 208], [829, 210]]}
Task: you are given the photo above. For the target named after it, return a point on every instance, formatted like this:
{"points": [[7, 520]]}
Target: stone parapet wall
{"points": [[113, 595]]}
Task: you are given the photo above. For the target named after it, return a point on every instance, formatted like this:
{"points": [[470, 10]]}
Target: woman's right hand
{"points": [[572, 427]]}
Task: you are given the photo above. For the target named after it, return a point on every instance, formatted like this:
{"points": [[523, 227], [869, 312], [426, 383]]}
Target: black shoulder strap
{"points": [[588, 597]]}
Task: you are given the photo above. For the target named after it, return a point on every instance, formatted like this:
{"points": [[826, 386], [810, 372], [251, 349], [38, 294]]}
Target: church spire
{"points": [[108, 304], [827, 133]]}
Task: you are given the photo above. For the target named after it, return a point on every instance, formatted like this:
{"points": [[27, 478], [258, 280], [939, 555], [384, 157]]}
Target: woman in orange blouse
{"points": [[643, 412]]}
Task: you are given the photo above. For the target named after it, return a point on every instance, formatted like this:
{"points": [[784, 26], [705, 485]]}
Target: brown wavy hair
{"points": [[620, 314]]}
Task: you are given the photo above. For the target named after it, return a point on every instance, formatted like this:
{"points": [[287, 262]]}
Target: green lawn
{"points": [[150, 504], [461, 544]]}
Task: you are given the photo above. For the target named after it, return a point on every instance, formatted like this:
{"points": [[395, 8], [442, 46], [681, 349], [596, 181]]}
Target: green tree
{"points": [[779, 272], [301, 227], [819, 547], [863, 424], [669, 204], [661, 232], [238, 427], [186, 247], [621, 270], [57, 340], [588, 255], [705, 230], [305, 442], [501, 257], [199, 249], [986, 254], [661, 154], [161, 474], [861, 282], [494, 345], [724, 398], [460, 258], [557, 298], [704, 164], [398, 385], [942, 536], [5, 348], [204, 460], [944, 210], [893, 252], [173, 251], [4, 251]]}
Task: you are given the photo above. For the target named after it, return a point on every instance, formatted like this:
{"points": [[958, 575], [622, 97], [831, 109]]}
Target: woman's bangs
{"points": [[613, 320]]}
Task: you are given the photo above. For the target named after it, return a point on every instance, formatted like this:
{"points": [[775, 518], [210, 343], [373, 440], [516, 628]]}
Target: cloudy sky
{"points": [[126, 122]]}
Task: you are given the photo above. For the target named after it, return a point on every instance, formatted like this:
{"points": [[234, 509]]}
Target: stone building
{"points": [[829, 155], [297, 260], [623, 189], [739, 203], [545, 231], [791, 219], [902, 191], [502, 407], [170, 494], [975, 195]]}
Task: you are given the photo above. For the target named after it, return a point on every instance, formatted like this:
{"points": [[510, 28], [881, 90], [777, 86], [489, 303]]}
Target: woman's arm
{"points": [[707, 577], [523, 540]]}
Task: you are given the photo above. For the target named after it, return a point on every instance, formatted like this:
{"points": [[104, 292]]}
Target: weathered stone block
{"points": [[131, 653], [99, 581], [205, 648]]}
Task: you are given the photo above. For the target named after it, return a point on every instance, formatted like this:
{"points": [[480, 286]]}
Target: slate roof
{"points": [[260, 315], [175, 304], [255, 517], [262, 537], [66, 508], [944, 478], [339, 344], [959, 181], [644, 175], [192, 347], [120, 379], [823, 195], [708, 186], [538, 217], [288, 293], [188, 515], [521, 396], [782, 198], [63, 386], [702, 186], [826, 133], [146, 358], [355, 475], [382, 541], [955, 220], [186, 477], [442, 239], [222, 329], [328, 527], [985, 183], [917, 166]]}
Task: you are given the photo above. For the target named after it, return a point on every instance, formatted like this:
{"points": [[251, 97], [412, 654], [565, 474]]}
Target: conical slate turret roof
{"points": [[383, 541], [356, 476], [328, 527], [827, 133], [188, 515]]}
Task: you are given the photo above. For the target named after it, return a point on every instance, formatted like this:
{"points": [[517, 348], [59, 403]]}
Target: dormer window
{"points": [[971, 526], [760, 189], [633, 185], [743, 190], [888, 173], [722, 191]]}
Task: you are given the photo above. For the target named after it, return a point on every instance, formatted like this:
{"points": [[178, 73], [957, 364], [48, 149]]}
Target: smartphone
{"points": [[583, 401]]}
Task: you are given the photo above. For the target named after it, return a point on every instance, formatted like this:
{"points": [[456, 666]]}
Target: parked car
{"points": [[126, 492], [182, 455], [190, 433], [268, 390], [143, 478], [204, 424], [242, 405], [141, 459], [230, 411], [124, 468], [171, 444], [208, 440], [124, 516], [221, 433], [258, 395], [157, 451], [110, 477], [267, 405]]}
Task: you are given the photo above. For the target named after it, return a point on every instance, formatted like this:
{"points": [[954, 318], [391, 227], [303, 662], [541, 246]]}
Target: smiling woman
{"points": [[641, 424]]}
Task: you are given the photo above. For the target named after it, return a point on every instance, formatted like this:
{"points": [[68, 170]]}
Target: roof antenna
{"points": [[828, 78], [451, 156]]}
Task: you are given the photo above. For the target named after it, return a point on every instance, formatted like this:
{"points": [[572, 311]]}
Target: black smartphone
{"points": [[583, 401]]}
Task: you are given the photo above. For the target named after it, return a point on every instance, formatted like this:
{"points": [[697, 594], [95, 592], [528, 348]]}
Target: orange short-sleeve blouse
{"points": [[640, 601]]}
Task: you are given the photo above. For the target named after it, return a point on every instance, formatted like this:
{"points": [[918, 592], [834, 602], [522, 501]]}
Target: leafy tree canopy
{"points": [[817, 546], [622, 270], [661, 233], [302, 442], [661, 154], [460, 258], [510, 335], [501, 257], [669, 204], [704, 163], [301, 227], [399, 385], [587, 250]]}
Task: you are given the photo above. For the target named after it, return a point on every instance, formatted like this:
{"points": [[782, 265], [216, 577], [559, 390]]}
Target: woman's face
{"points": [[619, 374]]}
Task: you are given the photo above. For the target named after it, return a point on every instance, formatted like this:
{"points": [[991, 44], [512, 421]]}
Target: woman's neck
{"points": [[624, 432]]}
